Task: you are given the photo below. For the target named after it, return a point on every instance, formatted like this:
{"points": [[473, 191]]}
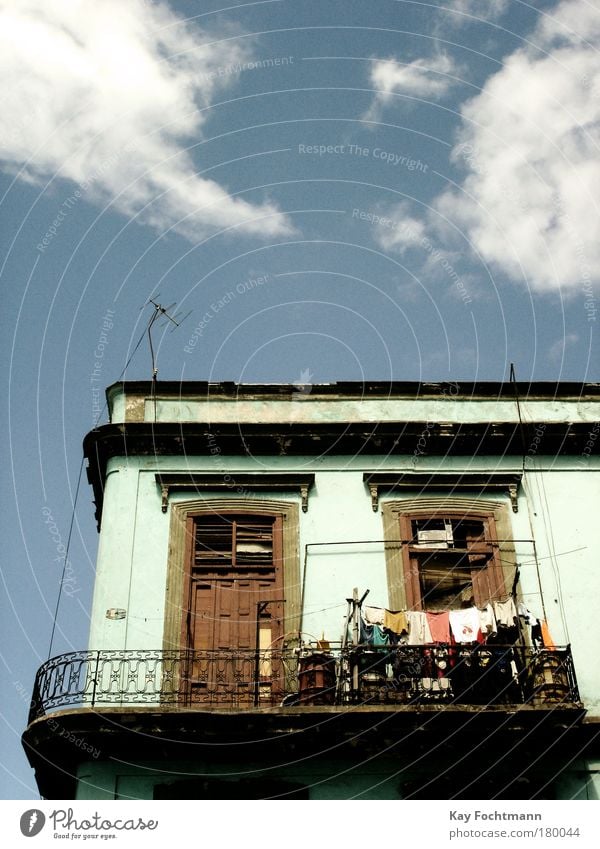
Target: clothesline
{"points": [[467, 625]]}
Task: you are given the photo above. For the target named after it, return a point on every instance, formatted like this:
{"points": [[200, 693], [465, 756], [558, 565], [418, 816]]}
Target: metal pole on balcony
{"points": [[539, 579], [261, 606], [302, 591], [356, 608]]}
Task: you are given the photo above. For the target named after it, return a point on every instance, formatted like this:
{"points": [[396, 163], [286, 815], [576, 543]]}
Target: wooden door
{"points": [[235, 577]]}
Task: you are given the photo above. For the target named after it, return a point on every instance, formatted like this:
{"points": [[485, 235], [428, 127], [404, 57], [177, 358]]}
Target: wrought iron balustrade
{"points": [[482, 675]]}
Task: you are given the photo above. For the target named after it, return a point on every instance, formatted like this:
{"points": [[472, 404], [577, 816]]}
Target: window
{"points": [[238, 542], [450, 561], [444, 552]]}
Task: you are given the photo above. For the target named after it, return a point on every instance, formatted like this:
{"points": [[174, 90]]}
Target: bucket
{"points": [[316, 679]]}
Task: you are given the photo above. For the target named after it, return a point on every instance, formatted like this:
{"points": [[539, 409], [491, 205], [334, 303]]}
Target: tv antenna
{"points": [[161, 312]]}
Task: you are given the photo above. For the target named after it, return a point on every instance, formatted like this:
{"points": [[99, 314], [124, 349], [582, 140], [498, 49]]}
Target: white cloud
{"points": [[558, 349], [428, 78], [398, 230], [484, 10], [422, 77], [570, 22], [530, 143], [111, 93]]}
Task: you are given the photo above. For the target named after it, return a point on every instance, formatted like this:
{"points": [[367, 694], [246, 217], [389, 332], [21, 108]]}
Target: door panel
{"points": [[223, 601], [223, 640], [224, 613]]}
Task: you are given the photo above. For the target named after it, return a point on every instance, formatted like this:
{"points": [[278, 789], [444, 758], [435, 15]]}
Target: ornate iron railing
{"points": [[483, 675]]}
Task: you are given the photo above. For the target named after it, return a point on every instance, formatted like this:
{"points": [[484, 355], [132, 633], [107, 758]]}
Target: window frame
{"points": [[180, 554], [488, 582], [428, 505], [235, 523]]}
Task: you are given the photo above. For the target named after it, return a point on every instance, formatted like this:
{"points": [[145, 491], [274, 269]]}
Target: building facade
{"points": [[335, 591]]}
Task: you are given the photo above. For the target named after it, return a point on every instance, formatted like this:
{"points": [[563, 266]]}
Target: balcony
{"points": [[318, 677]]}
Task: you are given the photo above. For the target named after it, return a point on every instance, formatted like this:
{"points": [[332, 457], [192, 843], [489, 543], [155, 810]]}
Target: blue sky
{"points": [[337, 190]]}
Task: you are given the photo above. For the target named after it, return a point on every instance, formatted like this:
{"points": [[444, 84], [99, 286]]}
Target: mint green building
{"points": [[335, 591]]}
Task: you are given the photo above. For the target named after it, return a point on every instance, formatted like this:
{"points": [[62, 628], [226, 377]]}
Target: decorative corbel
{"points": [[512, 491], [374, 490], [304, 495], [165, 497]]}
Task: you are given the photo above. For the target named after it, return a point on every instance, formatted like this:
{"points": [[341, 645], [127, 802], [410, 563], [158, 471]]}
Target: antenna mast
{"points": [[159, 312]]}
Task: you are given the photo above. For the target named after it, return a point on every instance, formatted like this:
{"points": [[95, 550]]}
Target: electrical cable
{"points": [[139, 342], [158, 311], [62, 578], [544, 509], [68, 545]]}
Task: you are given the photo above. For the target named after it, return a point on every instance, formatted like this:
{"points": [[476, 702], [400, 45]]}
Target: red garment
{"points": [[439, 625]]}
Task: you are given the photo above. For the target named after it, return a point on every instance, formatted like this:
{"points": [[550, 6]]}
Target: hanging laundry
{"points": [[505, 612], [487, 620], [439, 625], [395, 620], [418, 628], [373, 635], [462, 675], [464, 625], [530, 616], [522, 610], [366, 633], [373, 615], [547, 640], [442, 666], [380, 638]]}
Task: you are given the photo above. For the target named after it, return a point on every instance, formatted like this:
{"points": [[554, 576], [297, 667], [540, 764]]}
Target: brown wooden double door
{"points": [[234, 585]]}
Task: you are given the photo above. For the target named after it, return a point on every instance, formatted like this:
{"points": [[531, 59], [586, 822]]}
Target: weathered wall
{"points": [[558, 507], [312, 408]]}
